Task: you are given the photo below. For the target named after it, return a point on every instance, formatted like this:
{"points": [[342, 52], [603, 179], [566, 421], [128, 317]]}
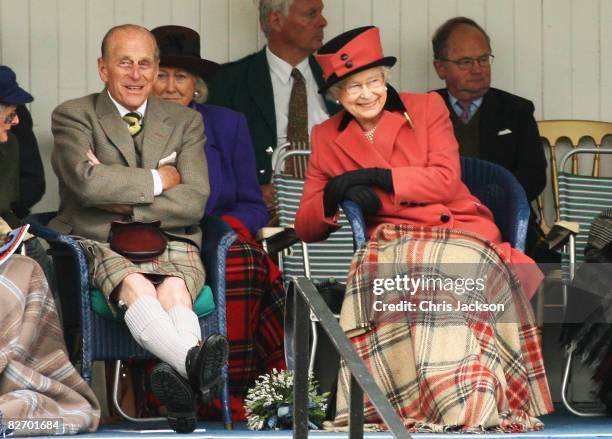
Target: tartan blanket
{"points": [[443, 370], [37, 380]]}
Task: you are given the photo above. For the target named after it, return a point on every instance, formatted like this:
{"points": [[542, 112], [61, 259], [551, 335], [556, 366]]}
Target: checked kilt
{"points": [[445, 371], [107, 268]]}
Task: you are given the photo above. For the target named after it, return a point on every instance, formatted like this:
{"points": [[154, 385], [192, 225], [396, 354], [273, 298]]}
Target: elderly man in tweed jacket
{"points": [[121, 155]]}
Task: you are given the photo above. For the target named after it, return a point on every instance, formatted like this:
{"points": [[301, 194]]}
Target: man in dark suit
{"points": [[260, 85], [122, 155], [489, 123]]}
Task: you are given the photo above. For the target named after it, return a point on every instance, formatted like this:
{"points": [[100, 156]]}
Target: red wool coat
{"points": [[424, 160]]}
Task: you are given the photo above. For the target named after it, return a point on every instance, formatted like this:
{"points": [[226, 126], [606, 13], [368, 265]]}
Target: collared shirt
{"points": [[158, 186], [474, 105], [282, 83]]}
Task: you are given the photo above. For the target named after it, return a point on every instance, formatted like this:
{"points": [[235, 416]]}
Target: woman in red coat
{"points": [[395, 155]]}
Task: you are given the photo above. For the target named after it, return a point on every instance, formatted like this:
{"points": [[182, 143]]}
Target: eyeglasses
{"points": [[372, 84], [9, 118], [468, 63]]}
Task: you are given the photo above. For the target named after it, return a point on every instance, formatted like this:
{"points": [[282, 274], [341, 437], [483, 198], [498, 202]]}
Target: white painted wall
{"points": [[558, 53]]}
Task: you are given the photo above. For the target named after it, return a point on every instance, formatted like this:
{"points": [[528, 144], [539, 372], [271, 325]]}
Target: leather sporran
{"points": [[138, 241]]}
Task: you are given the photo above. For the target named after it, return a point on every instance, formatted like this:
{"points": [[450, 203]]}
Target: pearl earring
{"points": [[337, 102], [196, 94], [385, 88]]}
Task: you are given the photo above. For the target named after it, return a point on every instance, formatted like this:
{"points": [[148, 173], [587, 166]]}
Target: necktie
{"points": [[465, 110], [297, 125], [133, 120]]}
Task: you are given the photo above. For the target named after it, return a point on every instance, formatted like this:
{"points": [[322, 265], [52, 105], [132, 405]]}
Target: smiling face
{"points": [[364, 95], [8, 118], [129, 66], [473, 83], [175, 85]]}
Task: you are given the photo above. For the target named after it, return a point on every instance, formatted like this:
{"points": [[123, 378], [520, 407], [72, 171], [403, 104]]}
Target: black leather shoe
{"points": [[176, 394], [204, 364]]}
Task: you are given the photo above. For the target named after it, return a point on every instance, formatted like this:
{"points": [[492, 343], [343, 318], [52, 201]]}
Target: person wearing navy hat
{"points": [[10, 96], [395, 156], [255, 295]]}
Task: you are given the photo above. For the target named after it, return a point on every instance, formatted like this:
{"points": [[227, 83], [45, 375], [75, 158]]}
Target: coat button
{"points": [[349, 65], [262, 171], [269, 150], [445, 218], [344, 57]]}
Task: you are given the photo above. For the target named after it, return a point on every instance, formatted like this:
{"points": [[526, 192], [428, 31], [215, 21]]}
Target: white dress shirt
{"points": [[282, 83], [158, 186]]}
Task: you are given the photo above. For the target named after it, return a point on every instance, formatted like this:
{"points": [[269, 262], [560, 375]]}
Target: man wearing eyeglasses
{"points": [[489, 123]]}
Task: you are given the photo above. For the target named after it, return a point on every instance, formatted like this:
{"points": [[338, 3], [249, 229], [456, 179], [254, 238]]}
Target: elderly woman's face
{"points": [[8, 118], [174, 84], [363, 95]]}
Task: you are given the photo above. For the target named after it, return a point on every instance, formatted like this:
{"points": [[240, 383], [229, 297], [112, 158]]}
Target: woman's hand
{"points": [[365, 197], [336, 189]]}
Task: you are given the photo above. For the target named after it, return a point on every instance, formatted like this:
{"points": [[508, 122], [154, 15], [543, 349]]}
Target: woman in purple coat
{"points": [[254, 292]]}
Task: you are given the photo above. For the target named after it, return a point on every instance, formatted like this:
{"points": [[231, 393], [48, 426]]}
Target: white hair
{"points": [[266, 7]]}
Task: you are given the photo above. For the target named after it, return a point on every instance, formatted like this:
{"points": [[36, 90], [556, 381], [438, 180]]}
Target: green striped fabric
{"points": [[581, 199], [328, 259]]}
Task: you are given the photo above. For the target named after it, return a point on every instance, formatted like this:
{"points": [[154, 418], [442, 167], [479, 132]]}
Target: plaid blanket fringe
{"points": [[445, 371]]}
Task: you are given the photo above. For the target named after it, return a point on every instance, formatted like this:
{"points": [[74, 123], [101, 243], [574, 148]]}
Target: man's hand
{"points": [[170, 176], [93, 160]]}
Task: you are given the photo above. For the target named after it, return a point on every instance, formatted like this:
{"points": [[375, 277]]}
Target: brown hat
{"points": [[179, 46], [351, 52]]}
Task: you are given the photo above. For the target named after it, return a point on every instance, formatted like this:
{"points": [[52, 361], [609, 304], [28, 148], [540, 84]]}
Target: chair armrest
{"points": [[277, 239], [355, 218], [218, 237], [560, 233]]}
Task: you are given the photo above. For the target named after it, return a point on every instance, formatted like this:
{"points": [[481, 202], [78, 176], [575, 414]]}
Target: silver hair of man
{"points": [[334, 91], [266, 7], [135, 27]]}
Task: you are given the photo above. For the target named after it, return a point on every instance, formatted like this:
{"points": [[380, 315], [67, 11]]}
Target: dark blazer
{"points": [[245, 85], [31, 171], [231, 168], [509, 137]]}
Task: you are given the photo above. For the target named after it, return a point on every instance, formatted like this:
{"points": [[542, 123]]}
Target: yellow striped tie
{"points": [[133, 120]]}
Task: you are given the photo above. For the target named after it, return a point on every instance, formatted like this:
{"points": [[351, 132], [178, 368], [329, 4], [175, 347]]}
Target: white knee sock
{"points": [[186, 323], [153, 329]]}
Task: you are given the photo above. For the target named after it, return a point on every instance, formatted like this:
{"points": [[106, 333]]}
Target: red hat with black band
{"points": [[351, 52]]}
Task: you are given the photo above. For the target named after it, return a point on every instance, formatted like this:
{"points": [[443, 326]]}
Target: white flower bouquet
{"points": [[269, 403]]}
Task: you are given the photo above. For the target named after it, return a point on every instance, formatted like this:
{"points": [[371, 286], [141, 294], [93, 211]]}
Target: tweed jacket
{"points": [[93, 122], [245, 85], [231, 168], [509, 137]]}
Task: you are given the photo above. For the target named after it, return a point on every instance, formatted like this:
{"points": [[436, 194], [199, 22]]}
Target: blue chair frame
{"points": [[103, 339], [493, 185]]}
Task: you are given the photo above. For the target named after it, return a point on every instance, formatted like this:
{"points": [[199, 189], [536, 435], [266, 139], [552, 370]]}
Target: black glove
{"points": [[365, 197], [335, 189]]}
